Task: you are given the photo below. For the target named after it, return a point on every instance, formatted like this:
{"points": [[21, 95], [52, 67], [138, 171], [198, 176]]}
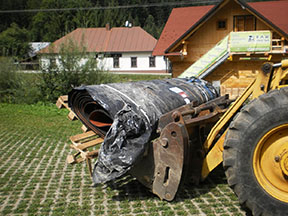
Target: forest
{"points": [[24, 21]]}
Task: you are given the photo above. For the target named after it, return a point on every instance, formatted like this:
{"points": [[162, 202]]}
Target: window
{"points": [[53, 62], [244, 23], [222, 24], [116, 62], [134, 62], [100, 56], [152, 61]]}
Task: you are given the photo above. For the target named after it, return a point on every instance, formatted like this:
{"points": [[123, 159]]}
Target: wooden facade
{"points": [[233, 75]]}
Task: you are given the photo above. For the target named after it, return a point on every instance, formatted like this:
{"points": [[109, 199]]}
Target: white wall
{"points": [[142, 63], [45, 61], [124, 63]]}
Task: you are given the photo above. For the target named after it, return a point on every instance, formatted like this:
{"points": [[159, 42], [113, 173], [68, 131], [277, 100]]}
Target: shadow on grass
{"points": [[130, 189]]}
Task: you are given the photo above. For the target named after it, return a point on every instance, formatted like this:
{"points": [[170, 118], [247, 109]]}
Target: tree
{"points": [[50, 26], [14, 41], [151, 27], [22, 19]]}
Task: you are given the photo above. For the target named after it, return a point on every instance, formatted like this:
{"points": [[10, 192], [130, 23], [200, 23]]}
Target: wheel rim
{"points": [[270, 162]]}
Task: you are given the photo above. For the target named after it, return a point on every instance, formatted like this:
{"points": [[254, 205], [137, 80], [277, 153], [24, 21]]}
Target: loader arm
{"points": [[266, 80]]}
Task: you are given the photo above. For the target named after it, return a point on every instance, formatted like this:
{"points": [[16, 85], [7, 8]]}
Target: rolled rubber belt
{"points": [[95, 117], [92, 114]]}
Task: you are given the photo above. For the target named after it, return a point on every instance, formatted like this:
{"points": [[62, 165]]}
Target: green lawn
{"points": [[35, 77], [36, 180]]}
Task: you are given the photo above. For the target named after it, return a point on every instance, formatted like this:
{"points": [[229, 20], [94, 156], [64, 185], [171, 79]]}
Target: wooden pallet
{"points": [[81, 143], [62, 102]]}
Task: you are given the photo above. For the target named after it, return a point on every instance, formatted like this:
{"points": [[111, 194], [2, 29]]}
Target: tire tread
{"points": [[234, 146]]}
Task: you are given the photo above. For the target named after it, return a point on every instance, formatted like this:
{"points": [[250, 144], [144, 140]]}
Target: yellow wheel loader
{"points": [[249, 135]]}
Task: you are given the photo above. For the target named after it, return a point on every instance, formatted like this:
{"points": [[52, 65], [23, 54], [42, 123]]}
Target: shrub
{"points": [[9, 80], [17, 87], [28, 91], [72, 67]]}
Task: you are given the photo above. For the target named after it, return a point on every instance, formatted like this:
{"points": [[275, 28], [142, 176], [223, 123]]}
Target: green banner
{"points": [[252, 41]]}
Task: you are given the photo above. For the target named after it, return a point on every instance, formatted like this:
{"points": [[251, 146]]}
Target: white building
{"points": [[119, 50]]}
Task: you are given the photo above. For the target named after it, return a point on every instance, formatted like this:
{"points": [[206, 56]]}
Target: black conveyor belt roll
{"points": [[126, 115]]}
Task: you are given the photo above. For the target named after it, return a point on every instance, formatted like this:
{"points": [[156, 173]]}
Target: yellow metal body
{"points": [[264, 82], [270, 162], [280, 77]]}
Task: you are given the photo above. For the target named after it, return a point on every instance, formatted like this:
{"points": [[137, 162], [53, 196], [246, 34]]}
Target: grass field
{"points": [[35, 77], [36, 180]]}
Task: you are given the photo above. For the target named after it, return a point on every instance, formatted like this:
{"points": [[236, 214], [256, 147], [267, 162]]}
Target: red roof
{"points": [[121, 39], [182, 20], [274, 11], [179, 21]]}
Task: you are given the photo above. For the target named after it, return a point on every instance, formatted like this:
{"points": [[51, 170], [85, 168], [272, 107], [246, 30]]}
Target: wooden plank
{"points": [[62, 102], [94, 142], [72, 116], [88, 162], [66, 106], [78, 137], [64, 98], [93, 154], [84, 128], [71, 159]]}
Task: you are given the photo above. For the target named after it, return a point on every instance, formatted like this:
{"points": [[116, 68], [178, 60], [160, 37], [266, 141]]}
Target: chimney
{"points": [[107, 27]]}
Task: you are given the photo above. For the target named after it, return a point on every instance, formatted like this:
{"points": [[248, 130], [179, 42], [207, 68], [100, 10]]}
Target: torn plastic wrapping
{"points": [[126, 115]]}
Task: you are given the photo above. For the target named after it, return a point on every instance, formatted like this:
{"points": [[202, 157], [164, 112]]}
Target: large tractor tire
{"points": [[255, 156]]}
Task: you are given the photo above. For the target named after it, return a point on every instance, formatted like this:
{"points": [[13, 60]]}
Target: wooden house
{"points": [[191, 32]]}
